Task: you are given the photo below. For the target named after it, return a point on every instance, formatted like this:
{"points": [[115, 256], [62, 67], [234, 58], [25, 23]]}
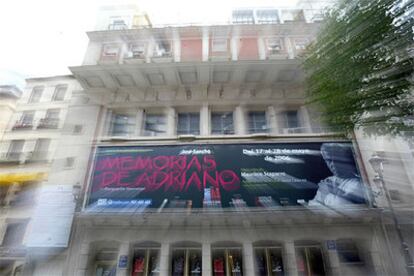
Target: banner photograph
{"points": [[135, 178]]}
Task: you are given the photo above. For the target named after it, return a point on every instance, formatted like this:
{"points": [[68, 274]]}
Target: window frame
{"points": [[149, 132], [189, 119], [222, 113], [58, 90], [36, 98], [256, 121]]}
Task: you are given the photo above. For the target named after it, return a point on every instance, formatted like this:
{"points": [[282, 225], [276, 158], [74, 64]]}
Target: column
{"points": [[170, 113], [106, 127], [375, 253], [261, 48], [206, 261], [176, 45], [123, 251], [289, 47], [164, 256], [248, 258], [206, 43], [289, 258], [333, 265], [139, 124], [234, 43], [83, 260], [272, 120], [204, 120], [239, 122], [150, 50], [305, 119]]}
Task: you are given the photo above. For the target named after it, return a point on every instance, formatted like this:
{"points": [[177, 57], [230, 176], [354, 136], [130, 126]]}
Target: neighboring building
{"points": [[9, 94], [27, 150]]}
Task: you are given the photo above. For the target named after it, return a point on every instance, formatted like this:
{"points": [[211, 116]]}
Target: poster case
{"points": [[220, 176]]}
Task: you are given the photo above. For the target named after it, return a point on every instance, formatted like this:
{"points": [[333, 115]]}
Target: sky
{"points": [[43, 37]]}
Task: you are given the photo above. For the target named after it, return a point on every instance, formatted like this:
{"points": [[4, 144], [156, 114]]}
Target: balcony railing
{"points": [[162, 57], [134, 57], [22, 125], [48, 123], [37, 156], [13, 251], [13, 157]]}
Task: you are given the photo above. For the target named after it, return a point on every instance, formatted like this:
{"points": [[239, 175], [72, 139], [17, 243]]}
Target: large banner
{"points": [[135, 178]]}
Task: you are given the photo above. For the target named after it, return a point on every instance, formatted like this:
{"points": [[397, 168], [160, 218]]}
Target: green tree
{"points": [[360, 69]]}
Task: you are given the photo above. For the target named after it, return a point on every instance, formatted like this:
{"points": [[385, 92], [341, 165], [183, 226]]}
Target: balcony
{"points": [[13, 251], [162, 57], [22, 125], [133, 57], [37, 156], [118, 26], [48, 123], [11, 158]]}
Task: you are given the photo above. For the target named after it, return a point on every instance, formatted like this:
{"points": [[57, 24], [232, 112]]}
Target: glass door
{"points": [[186, 262], [269, 261], [227, 262], [146, 262], [310, 261]]}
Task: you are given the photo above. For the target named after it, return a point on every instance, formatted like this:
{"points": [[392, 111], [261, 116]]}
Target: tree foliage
{"points": [[360, 69]]}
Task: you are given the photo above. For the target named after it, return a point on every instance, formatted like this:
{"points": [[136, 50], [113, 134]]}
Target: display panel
{"points": [[136, 178]]}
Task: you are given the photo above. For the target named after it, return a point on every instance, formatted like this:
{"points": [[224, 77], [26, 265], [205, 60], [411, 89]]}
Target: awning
{"points": [[10, 178]]}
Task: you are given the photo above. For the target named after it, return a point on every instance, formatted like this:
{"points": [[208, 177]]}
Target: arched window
{"points": [[309, 258], [146, 259], [186, 259], [268, 258], [227, 259]]}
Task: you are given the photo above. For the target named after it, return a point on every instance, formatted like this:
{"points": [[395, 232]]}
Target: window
{"points": [[24, 195], [146, 261], [274, 46], [110, 51], [122, 124], [53, 114], [301, 43], [186, 261], [155, 125], [227, 261], [257, 122], [243, 17], [59, 94], [188, 123], [162, 49], [36, 94], [309, 260], [222, 123], [268, 261], [69, 162], [105, 261], [117, 23], [136, 50], [292, 119], [15, 149], [27, 117], [267, 16], [77, 129], [14, 234], [41, 149], [347, 251], [51, 119], [4, 189], [219, 45]]}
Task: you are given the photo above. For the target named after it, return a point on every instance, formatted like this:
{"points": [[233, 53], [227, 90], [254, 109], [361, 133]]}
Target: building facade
{"points": [[191, 150]]}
